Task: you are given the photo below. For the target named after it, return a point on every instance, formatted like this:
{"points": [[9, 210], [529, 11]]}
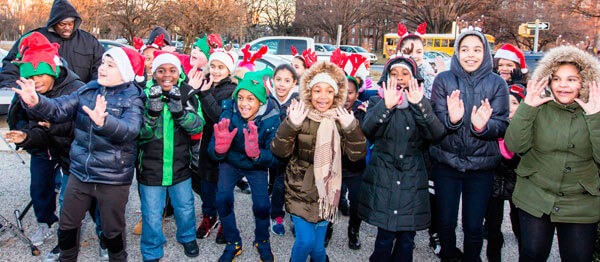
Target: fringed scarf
{"points": [[327, 163]]}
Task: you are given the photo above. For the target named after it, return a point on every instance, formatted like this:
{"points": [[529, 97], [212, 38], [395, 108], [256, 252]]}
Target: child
{"points": [[472, 103], [253, 117], [165, 146], [285, 91], [302, 62], [504, 184], [556, 129], [509, 63], [212, 92], [310, 136], [104, 150], [201, 51], [394, 191], [39, 61]]}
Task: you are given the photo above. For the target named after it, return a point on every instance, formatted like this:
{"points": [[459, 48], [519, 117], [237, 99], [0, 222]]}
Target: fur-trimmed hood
{"points": [[335, 72], [588, 65]]}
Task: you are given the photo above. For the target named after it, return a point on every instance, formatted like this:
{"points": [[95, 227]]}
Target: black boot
{"points": [[344, 207], [328, 234], [353, 233]]}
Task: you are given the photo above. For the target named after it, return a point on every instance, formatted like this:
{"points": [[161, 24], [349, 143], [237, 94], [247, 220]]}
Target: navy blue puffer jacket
{"points": [[104, 155], [462, 147]]}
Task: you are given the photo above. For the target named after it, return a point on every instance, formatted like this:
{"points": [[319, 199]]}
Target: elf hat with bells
{"points": [[37, 56]]}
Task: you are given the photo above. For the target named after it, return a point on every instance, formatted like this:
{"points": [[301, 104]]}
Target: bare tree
{"points": [[279, 16], [135, 17]]}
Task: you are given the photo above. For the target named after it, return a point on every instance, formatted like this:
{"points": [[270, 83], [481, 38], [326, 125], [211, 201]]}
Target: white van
{"points": [[282, 45]]}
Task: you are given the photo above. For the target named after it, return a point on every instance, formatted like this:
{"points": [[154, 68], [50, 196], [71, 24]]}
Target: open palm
{"points": [[98, 115], [593, 104], [534, 92]]}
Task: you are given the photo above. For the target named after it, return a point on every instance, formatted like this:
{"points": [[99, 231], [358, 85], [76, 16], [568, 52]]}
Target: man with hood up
{"points": [[80, 49]]}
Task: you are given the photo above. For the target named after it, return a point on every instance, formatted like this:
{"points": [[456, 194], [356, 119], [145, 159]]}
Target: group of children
{"points": [[205, 121]]}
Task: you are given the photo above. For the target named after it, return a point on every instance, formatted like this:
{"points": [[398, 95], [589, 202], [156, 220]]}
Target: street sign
{"points": [[541, 25]]}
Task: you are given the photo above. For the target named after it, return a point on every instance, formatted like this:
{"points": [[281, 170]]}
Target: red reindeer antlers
{"points": [[402, 30], [294, 51], [159, 40], [338, 58], [422, 29], [249, 58], [138, 43], [356, 60], [310, 57]]}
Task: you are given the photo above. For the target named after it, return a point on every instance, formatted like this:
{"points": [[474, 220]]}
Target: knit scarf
{"points": [[327, 163]]}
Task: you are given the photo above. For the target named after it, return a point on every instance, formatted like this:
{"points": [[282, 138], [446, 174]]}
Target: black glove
{"points": [[155, 103], [516, 76], [174, 104]]}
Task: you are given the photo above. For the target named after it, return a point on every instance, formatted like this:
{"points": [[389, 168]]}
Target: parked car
{"points": [[430, 57], [281, 45], [6, 96], [3, 54], [324, 49], [351, 49], [108, 44], [270, 61]]}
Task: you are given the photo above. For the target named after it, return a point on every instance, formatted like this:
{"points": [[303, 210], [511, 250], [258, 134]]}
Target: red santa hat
{"points": [[512, 53], [163, 57], [129, 62]]}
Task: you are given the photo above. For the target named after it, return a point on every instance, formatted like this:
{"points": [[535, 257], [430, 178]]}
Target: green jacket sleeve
{"points": [[593, 125], [519, 134], [192, 120]]}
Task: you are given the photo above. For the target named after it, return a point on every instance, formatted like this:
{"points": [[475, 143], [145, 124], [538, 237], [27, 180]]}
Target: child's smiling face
{"points": [[198, 58], [402, 75], [321, 96], [284, 82], [218, 71], [108, 73], [247, 104], [166, 75]]}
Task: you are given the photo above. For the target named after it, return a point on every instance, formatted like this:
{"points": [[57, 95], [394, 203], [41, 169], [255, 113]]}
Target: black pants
{"points": [[575, 241], [352, 182], [393, 246], [112, 201], [493, 224]]}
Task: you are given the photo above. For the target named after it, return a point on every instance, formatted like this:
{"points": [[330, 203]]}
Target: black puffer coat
{"points": [[462, 147], [394, 190], [82, 51]]}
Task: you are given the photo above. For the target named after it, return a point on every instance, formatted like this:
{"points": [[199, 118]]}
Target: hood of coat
{"points": [[487, 64], [588, 65], [156, 32], [395, 60], [62, 9], [335, 72]]}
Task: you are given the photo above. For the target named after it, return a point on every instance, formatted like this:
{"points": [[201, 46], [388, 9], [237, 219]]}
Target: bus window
{"points": [[429, 42], [390, 41], [436, 43], [444, 42], [452, 42]]}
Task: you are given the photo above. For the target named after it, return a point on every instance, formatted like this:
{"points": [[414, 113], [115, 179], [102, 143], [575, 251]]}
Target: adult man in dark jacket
{"points": [[80, 49]]}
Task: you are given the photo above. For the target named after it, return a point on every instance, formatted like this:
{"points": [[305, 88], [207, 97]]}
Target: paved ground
{"points": [[14, 190]]}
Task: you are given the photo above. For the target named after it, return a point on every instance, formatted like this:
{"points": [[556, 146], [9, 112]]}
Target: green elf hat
{"points": [[208, 44], [37, 56], [258, 83]]}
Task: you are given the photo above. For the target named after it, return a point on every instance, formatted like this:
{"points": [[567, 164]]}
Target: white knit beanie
{"points": [[225, 57]]}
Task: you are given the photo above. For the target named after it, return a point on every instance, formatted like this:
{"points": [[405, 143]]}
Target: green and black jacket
{"points": [[165, 143]]}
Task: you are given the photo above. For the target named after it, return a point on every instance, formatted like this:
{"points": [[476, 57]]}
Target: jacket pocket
{"points": [[591, 186], [82, 58]]}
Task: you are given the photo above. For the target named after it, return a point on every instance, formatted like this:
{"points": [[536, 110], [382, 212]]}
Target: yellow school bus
{"points": [[433, 42]]}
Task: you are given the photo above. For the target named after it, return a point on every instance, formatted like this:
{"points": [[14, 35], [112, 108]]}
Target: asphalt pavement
{"points": [[14, 194]]}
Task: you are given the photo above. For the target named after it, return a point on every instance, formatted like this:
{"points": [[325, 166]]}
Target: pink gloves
{"points": [[251, 140], [223, 137], [503, 150]]}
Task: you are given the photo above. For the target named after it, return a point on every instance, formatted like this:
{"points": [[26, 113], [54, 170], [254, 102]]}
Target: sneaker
{"points": [[434, 244], [231, 251], [264, 251], [244, 187], [190, 249], [102, 253], [277, 226], [44, 232], [137, 229], [207, 224], [220, 236], [53, 255]]}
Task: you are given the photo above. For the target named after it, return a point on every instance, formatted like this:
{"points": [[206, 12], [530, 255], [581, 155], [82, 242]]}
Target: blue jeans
{"points": [[259, 184], [95, 214], [42, 188], [208, 194], [385, 249], [153, 203], [278, 197], [310, 240], [476, 189]]}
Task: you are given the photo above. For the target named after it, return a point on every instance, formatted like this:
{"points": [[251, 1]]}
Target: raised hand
{"points": [[593, 104], [155, 102], [391, 95], [175, 106], [196, 78], [480, 116], [251, 140], [27, 91], [298, 112], [45, 124], [344, 117], [534, 92], [15, 136], [440, 66], [223, 137], [456, 107], [98, 115], [415, 92], [364, 106]]}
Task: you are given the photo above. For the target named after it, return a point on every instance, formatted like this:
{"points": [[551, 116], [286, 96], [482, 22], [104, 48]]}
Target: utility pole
{"points": [[537, 33], [339, 36]]}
